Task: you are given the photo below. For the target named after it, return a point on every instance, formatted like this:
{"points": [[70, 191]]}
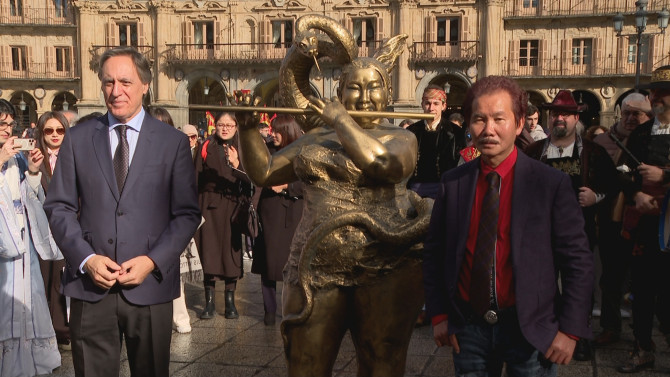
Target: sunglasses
{"points": [[50, 131], [192, 137]]}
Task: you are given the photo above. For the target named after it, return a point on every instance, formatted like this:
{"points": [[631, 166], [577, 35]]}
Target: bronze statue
{"points": [[355, 261]]}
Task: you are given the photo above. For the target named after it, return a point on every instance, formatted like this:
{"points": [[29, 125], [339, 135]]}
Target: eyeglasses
{"points": [[4, 125], [226, 126], [192, 137], [563, 114], [50, 131]]}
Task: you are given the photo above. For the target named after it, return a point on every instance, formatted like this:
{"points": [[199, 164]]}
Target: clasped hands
{"points": [[105, 272]]}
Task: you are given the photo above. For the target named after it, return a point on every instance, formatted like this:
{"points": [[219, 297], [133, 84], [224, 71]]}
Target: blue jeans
{"points": [[485, 348]]}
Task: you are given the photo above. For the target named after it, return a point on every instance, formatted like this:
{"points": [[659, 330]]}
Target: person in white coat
{"points": [[27, 337]]}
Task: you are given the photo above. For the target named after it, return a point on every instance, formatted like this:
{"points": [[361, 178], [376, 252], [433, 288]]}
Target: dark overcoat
{"points": [[279, 215], [219, 188]]}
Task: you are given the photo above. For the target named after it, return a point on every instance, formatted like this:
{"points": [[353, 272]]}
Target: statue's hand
{"points": [[329, 110], [245, 119]]}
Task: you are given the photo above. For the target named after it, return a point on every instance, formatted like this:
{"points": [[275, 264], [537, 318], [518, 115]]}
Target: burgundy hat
{"points": [[660, 79], [564, 101]]}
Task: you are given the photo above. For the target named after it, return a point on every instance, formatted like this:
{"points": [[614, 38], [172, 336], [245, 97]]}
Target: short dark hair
{"points": [[491, 84], [287, 127], [532, 109], [139, 60], [161, 114], [6, 108], [87, 117], [263, 125], [457, 117]]}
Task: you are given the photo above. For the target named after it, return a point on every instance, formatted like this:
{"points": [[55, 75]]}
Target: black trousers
{"points": [[615, 255], [98, 328], [651, 282]]}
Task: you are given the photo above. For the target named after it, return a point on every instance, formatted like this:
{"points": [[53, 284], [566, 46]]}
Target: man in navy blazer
{"points": [[524, 319], [122, 236]]}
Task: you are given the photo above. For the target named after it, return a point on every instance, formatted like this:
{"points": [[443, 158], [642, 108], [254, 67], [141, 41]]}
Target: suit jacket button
{"points": [[120, 213], [110, 241]]}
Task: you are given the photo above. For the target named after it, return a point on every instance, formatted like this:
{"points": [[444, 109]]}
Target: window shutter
{"points": [[513, 57], [465, 32], [29, 58], [431, 29], [655, 52], [597, 63], [543, 56], [621, 55], [110, 39], [49, 61], [217, 33], [380, 29], [141, 41], [565, 56], [5, 59]]}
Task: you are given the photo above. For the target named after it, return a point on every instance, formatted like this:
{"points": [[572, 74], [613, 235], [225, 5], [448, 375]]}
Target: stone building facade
{"points": [[201, 48]]}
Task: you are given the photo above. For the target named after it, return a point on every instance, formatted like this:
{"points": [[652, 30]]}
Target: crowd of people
{"points": [[109, 218]]}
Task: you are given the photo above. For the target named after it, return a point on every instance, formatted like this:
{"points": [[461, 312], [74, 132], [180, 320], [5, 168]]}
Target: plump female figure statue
{"points": [[355, 259]]}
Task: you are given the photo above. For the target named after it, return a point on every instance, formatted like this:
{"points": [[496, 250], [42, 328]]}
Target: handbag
{"points": [[190, 268], [245, 217]]}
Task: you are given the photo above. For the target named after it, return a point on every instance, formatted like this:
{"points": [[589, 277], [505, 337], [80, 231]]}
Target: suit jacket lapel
{"points": [[103, 153], [524, 181], [142, 152]]}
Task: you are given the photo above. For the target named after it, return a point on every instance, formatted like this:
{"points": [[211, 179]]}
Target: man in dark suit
{"points": [[503, 227], [122, 206]]}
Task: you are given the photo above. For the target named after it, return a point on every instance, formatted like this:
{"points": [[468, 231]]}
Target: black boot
{"points": [[210, 310], [231, 311]]}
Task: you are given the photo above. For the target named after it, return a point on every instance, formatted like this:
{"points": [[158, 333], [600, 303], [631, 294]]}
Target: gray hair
{"points": [[139, 60]]}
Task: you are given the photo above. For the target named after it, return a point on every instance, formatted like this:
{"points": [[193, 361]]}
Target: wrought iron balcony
{"points": [[185, 53], [34, 71], [427, 52], [35, 16], [97, 51], [553, 8], [225, 52], [555, 67]]}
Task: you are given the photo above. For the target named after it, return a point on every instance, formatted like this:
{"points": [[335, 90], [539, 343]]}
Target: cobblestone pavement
{"points": [[246, 347]]}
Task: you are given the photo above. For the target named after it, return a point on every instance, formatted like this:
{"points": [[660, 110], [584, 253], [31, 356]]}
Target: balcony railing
{"points": [[97, 51], [551, 8], [608, 66], [35, 16], [35, 71], [445, 51], [225, 52], [241, 52]]}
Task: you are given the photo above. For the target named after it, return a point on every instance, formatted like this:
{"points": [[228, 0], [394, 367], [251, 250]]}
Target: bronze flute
{"points": [[286, 110]]}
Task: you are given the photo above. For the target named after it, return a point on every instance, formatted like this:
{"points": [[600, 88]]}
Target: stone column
{"points": [[493, 43], [403, 92], [163, 34], [90, 32]]}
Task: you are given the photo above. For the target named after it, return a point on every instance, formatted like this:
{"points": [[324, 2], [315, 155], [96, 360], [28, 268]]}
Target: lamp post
{"points": [[641, 16]]}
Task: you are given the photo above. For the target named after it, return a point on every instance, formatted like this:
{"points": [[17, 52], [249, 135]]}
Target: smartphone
{"points": [[24, 144]]}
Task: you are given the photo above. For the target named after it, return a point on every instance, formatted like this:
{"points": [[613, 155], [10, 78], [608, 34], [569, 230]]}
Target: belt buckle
{"points": [[491, 317]]}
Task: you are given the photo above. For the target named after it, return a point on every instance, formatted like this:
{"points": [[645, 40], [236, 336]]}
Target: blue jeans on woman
{"points": [[485, 348]]}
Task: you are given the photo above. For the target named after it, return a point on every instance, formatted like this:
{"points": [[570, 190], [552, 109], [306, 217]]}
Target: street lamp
{"points": [[22, 104], [66, 105], [641, 16], [206, 88]]}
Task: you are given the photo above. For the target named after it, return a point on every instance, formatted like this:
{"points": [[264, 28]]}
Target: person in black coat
{"points": [[440, 142], [280, 211]]}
